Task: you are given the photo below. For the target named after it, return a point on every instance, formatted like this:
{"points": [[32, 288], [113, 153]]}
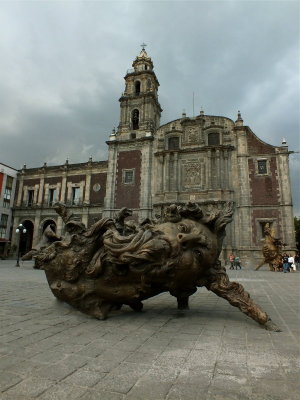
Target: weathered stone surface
{"points": [[98, 270]]}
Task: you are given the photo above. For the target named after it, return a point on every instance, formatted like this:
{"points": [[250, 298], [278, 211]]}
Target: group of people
{"points": [[235, 262], [290, 263]]}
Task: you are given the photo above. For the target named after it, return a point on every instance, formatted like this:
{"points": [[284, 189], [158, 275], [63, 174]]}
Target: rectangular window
{"points": [[128, 176], [52, 197], [262, 167], [75, 195], [7, 192], [30, 197], [173, 143], [3, 225]]}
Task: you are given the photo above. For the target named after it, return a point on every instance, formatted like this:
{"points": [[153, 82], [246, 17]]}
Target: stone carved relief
{"points": [[194, 174], [191, 136]]}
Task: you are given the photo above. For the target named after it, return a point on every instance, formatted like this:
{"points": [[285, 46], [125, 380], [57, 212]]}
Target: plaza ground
{"points": [[48, 350]]}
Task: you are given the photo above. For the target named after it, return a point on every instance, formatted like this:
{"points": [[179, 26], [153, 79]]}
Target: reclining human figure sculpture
{"points": [[112, 263]]}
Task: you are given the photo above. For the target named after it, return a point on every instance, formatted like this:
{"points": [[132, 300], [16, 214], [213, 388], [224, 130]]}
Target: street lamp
{"points": [[20, 229]]}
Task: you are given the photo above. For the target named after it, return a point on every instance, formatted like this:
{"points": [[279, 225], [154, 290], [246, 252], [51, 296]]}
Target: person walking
{"points": [[237, 262], [285, 262], [297, 261], [231, 261], [291, 262]]}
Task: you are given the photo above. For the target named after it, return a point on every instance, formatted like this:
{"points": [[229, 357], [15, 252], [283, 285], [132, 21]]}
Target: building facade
{"points": [[80, 186], [8, 180], [206, 159]]}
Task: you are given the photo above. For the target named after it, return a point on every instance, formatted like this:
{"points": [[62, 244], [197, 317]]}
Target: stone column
{"points": [[20, 191], [109, 201], [287, 218], [41, 191], [81, 185], [46, 193], [87, 187], [63, 188], [167, 173], [218, 172], [146, 180], [69, 191], [208, 169], [36, 229]]}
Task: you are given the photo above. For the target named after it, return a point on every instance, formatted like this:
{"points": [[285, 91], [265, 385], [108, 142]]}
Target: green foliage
{"points": [[297, 231]]}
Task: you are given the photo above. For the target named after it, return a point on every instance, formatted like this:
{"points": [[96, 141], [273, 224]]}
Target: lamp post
{"points": [[20, 229]]}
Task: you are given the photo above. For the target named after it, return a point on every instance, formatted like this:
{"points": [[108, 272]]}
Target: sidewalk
{"points": [[48, 350]]}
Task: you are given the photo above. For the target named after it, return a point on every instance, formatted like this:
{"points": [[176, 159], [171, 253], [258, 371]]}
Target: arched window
{"points": [[213, 139], [146, 67], [135, 119], [137, 87], [173, 143], [149, 84]]}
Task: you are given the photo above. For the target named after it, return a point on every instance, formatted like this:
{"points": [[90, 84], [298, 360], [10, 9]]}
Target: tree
{"points": [[297, 231]]}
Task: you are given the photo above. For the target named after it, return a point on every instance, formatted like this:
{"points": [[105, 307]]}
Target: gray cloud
{"points": [[63, 63]]}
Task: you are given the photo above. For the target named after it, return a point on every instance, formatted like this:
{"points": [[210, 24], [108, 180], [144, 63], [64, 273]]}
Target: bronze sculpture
{"points": [[113, 263], [272, 250]]}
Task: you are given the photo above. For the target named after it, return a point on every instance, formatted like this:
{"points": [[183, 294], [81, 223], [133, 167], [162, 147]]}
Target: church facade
{"points": [[206, 159]]}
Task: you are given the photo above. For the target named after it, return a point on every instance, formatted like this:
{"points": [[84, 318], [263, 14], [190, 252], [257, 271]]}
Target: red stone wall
{"points": [[53, 180], [264, 189], [98, 197], [128, 195], [76, 178], [1, 180], [31, 182], [257, 146]]}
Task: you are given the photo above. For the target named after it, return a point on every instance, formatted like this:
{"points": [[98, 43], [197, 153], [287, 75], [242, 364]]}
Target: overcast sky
{"points": [[63, 63]]}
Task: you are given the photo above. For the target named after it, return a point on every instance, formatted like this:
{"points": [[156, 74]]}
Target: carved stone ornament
{"points": [[113, 263], [194, 174]]}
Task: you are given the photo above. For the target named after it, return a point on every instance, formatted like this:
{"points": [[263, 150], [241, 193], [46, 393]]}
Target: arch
{"points": [[213, 139], [48, 222], [26, 238], [137, 86], [135, 119]]}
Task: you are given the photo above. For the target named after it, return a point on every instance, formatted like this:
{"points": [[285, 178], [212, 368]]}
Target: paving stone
{"points": [[62, 391], [7, 380], [54, 372], [122, 378], [186, 392], [30, 387], [99, 395], [84, 377]]}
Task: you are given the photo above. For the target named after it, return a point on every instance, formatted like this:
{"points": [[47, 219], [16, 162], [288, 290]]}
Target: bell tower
{"points": [[140, 110], [130, 154]]}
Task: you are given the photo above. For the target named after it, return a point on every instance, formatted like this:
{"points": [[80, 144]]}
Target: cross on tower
{"points": [[143, 45]]}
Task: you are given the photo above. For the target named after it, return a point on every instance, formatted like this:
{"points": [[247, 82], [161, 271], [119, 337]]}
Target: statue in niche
{"points": [[272, 250], [100, 269]]}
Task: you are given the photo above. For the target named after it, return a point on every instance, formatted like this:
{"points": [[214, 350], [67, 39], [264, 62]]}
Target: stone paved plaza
{"points": [[211, 352]]}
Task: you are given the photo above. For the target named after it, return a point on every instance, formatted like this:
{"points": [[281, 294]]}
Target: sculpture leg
{"points": [[235, 293], [183, 303], [260, 265], [136, 306]]}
